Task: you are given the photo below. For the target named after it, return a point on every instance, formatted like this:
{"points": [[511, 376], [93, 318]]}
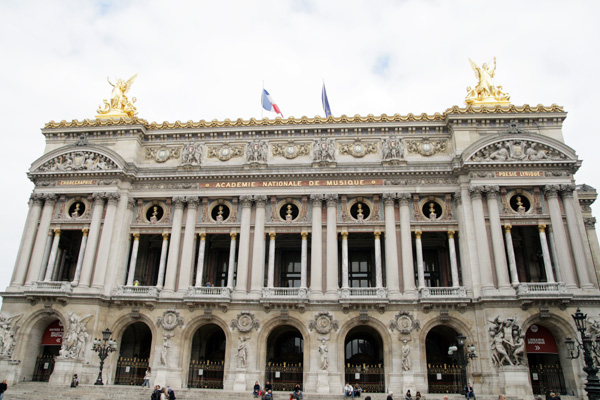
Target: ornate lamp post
{"points": [[589, 348], [462, 357], [103, 347]]}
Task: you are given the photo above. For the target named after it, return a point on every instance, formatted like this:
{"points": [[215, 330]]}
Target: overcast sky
{"points": [[208, 60]]}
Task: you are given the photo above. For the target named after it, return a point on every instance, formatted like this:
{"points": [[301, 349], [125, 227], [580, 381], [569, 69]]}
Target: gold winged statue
{"points": [[119, 105], [485, 93]]}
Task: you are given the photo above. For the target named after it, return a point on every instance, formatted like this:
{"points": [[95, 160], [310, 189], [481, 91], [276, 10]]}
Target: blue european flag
{"points": [[325, 102]]}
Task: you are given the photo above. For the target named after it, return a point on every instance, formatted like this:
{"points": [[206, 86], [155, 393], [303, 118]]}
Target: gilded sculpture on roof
{"points": [[119, 105], [485, 93]]}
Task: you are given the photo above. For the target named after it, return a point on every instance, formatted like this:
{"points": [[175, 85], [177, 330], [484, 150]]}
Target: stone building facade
{"points": [[310, 251]]}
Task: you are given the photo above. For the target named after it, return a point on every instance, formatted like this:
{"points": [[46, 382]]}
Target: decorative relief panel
{"points": [[161, 154], [517, 150], [508, 342], [358, 149], [79, 161], [8, 334], [324, 150], [291, 150], [392, 149], [256, 152], [192, 154], [323, 323], [426, 147], [225, 152]]}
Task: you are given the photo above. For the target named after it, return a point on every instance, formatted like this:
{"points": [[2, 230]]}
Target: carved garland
{"points": [[161, 154]]}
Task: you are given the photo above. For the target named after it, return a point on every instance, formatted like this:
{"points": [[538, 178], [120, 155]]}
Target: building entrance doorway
{"points": [[545, 370], [136, 344], [443, 374], [363, 359], [285, 357], [50, 348], [207, 358]]}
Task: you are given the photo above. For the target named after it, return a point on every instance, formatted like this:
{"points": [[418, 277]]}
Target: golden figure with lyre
{"points": [[485, 93], [119, 105]]}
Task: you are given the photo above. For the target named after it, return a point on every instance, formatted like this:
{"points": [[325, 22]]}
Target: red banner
{"points": [[540, 340], [53, 334]]}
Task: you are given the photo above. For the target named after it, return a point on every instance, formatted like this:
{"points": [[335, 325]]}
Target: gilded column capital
{"points": [[136, 236], [389, 198], [192, 201], [202, 236], [165, 236], [233, 235], [377, 235], [56, 232], [316, 199], [451, 234], [261, 200], [85, 231], [542, 228], [404, 198], [344, 235], [272, 235], [551, 191], [331, 199], [507, 228], [246, 200], [178, 201], [476, 191], [418, 234], [304, 235]]}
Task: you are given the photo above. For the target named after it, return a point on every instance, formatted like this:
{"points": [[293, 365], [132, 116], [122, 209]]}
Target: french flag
{"points": [[269, 104]]}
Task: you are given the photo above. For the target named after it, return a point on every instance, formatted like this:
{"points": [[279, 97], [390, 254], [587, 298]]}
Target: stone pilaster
{"points": [[391, 246], [187, 253]]}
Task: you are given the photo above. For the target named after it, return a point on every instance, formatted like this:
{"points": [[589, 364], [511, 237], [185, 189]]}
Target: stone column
{"points": [[420, 267], [82, 246], [200, 264], [497, 241], [244, 250], [316, 253], [133, 259], [345, 260], [53, 254], [512, 262], [391, 247], [408, 269], [590, 231], [271, 267], [231, 264], [104, 248], [575, 236], [546, 254], [89, 257], [120, 242], [46, 257], [303, 260], [187, 254], [163, 261], [27, 240], [467, 242], [35, 265], [378, 272], [453, 260], [483, 251], [174, 245], [332, 246], [557, 273], [258, 248], [560, 236]]}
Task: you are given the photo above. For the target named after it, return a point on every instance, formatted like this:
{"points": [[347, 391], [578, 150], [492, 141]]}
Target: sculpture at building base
{"points": [[8, 331], [75, 337], [485, 93], [119, 105], [508, 342]]}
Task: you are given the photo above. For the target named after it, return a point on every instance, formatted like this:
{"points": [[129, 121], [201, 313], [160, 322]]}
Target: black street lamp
{"points": [[589, 348], [462, 357], [103, 347]]}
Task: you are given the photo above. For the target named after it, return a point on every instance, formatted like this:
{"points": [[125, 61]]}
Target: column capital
{"points": [[567, 190], [458, 198], [404, 197], [344, 235], [377, 235], [551, 191], [37, 198], [491, 191], [389, 198], [261, 200], [112, 197], [136, 236], [202, 236], [331, 199], [316, 199], [542, 228], [272, 235], [178, 201], [192, 201], [476, 191], [131, 202], [304, 235], [165, 236], [85, 231], [507, 228], [56, 232], [589, 222], [233, 235], [451, 234], [418, 234], [246, 200]]}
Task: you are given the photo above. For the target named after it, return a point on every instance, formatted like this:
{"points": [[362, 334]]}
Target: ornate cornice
{"points": [[525, 109]]}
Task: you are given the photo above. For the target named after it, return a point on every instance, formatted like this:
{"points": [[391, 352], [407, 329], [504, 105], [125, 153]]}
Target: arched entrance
{"points": [[285, 352], [444, 375], [544, 363], [134, 353], [207, 358], [363, 359], [49, 348]]}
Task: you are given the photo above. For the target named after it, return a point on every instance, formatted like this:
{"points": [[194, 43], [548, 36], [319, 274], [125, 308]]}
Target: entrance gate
{"points": [[136, 344], [206, 374], [284, 376], [50, 347], [544, 363], [285, 352], [371, 378], [44, 365], [443, 374], [207, 359], [131, 371], [363, 357]]}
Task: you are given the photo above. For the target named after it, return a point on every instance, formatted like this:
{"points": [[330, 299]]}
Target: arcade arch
{"points": [[207, 357], [134, 354], [285, 358], [364, 359]]}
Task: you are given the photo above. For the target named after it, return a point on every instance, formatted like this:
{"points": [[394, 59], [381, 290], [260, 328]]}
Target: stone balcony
{"points": [[51, 287], [144, 293], [537, 290], [208, 293], [284, 295], [454, 295], [363, 294]]}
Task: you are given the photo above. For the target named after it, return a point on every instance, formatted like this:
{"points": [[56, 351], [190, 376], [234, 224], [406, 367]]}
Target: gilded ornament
{"points": [[162, 153], [485, 93], [291, 150], [357, 149], [225, 152], [119, 105]]}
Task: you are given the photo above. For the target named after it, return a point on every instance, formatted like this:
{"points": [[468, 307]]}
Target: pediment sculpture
{"points": [[76, 161], [517, 150]]}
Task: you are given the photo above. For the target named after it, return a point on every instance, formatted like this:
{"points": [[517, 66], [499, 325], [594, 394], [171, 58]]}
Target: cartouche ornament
{"points": [[119, 105], [485, 93]]}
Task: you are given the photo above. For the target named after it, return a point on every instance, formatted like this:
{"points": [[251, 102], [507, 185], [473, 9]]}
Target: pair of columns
{"points": [[452, 254]]}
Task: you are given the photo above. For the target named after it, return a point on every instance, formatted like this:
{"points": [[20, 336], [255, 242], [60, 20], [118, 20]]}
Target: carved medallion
{"points": [[323, 323], [244, 322], [225, 152], [404, 323], [358, 149], [162, 153], [170, 320], [426, 147], [291, 150]]}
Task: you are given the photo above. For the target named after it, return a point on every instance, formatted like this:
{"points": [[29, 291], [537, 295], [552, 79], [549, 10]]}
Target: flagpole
{"points": [[261, 96]]}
